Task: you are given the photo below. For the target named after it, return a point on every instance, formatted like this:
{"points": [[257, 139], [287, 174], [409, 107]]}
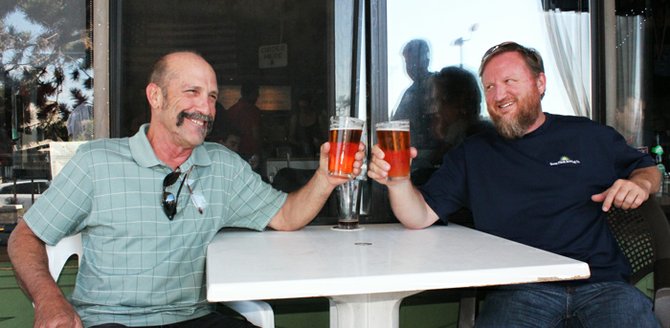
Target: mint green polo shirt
{"points": [[139, 268]]}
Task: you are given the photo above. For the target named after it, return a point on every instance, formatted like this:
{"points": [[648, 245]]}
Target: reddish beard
{"points": [[515, 125]]}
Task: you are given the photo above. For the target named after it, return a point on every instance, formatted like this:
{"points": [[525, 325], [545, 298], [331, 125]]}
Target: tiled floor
{"points": [[15, 308]]}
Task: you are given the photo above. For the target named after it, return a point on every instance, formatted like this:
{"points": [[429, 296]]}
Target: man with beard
{"points": [[542, 180], [147, 207]]}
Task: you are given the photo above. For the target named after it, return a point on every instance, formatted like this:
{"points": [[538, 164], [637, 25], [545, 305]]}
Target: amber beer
{"points": [[345, 136], [393, 139]]}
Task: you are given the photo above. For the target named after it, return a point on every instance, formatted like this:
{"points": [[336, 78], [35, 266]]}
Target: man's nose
{"points": [[205, 104], [499, 92]]}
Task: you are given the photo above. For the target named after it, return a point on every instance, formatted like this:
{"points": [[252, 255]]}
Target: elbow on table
{"points": [[280, 223], [414, 224]]}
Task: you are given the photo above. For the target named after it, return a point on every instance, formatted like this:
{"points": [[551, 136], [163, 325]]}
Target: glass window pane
{"points": [[277, 55], [456, 34], [434, 47], [46, 85]]}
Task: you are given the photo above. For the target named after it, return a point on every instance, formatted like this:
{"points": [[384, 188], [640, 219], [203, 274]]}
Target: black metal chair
{"points": [[644, 237], [643, 234]]}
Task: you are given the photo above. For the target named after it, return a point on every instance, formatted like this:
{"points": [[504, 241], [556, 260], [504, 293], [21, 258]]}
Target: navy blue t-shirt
{"points": [[537, 189]]}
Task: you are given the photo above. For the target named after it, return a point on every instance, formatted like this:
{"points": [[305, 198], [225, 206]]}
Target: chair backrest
{"points": [[660, 227], [61, 252], [643, 236], [60, 153], [634, 237]]}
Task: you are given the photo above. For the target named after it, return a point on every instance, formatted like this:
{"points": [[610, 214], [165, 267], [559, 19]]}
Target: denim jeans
{"points": [[606, 304]]}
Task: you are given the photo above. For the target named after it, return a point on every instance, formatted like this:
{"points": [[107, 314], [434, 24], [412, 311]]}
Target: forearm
{"points": [[29, 260], [648, 178], [303, 205], [409, 206], [31, 267], [630, 192]]}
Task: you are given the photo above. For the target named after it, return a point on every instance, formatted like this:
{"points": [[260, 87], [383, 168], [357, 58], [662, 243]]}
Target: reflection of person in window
{"points": [[80, 122], [245, 117], [306, 128], [414, 104], [228, 137], [457, 100]]}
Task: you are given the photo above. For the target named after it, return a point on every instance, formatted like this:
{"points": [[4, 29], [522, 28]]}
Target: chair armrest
{"points": [[662, 306], [662, 273], [258, 313], [662, 288]]}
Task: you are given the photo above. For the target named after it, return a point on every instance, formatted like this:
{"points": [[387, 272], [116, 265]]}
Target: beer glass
{"points": [[393, 139], [345, 136], [348, 194]]}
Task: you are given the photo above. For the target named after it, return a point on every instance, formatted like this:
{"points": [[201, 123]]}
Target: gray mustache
{"points": [[196, 116]]}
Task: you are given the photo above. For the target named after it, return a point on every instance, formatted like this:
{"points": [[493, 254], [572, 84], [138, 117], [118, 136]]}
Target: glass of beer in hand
{"points": [[345, 136], [393, 139]]}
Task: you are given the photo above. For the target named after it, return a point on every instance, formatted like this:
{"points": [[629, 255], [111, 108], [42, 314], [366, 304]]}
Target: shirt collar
{"points": [[548, 118], [144, 155]]}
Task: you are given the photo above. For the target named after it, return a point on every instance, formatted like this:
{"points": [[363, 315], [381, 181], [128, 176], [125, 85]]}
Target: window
{"points": [[282, 48], [416, 45], [46, 85], [25, 187]]}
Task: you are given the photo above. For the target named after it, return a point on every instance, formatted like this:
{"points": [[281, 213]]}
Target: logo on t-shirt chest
{"points": [[565, 160]]}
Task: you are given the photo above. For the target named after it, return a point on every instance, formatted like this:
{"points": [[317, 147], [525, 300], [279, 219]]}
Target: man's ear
{"points": [[541, 83], [154, 95]]}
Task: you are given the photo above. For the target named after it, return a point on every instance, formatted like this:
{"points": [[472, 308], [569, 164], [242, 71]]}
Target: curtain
{"points": [[631, 75], [569, 37]]}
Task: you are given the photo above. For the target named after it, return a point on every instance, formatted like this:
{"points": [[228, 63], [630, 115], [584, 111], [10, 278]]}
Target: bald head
{"points": [[164, 69], [182, 94]]}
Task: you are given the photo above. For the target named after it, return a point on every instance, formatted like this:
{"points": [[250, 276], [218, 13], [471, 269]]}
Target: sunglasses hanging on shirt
{"points": [[169, 201]]}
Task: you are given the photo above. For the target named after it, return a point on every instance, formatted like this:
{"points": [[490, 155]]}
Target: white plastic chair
{"points": [[258, 313]]}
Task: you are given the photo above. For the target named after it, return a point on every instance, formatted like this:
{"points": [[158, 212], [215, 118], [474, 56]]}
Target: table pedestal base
{"points": [[380, 310]]}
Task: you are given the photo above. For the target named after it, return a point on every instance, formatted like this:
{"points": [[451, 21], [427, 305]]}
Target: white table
{"points": [[367, 273]]}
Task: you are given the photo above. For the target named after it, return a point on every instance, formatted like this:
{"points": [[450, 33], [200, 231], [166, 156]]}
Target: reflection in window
{"points": [[280, 46], [423, 42], [431, 43], [458, 33], [47, 80], [632, 84]]}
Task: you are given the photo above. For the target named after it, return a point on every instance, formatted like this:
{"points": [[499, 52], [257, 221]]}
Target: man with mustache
{"points": [[147, 207], [543, 180]]}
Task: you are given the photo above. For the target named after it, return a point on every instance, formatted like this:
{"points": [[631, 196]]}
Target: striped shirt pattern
{"points": [[139, 268]]}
